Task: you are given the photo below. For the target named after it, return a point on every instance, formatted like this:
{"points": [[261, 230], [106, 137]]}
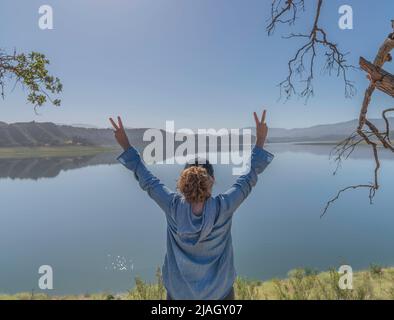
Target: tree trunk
{"points": [[384, 51], [383, 80], [382, 56]]}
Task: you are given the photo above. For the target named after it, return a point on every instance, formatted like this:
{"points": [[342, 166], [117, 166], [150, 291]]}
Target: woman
{"points": [[199, 260]]}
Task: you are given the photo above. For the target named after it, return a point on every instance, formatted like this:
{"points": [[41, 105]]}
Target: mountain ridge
{"points": [[38, 134]]}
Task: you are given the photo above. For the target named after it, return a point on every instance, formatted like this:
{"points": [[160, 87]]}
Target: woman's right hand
{"points": [[261, 129], [120, 134]]}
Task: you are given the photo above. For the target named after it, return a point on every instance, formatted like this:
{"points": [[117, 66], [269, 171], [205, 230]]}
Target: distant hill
{"points": [[32, 134], [37, 134], [323, 132]]}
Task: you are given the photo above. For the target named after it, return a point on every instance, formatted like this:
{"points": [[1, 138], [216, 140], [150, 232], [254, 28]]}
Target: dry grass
{"points": [[301, 284]]}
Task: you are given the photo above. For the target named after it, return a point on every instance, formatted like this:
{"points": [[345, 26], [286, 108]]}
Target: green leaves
{"points": [[31, 71]]}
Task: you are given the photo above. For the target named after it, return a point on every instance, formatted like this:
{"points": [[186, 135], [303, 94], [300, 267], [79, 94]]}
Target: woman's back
{"points": [[194, 265]]}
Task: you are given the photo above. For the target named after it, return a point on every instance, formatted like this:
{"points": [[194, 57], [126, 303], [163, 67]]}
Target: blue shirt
{"points": [[199, 262]]}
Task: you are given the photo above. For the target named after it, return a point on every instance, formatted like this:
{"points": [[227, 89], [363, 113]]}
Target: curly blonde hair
{"points": [[195, 184]]}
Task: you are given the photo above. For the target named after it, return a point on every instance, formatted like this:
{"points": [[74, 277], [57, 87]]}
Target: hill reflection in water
{"points": [[36, 168]]}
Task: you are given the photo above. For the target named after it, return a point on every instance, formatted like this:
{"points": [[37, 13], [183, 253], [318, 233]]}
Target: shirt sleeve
{"points": [[233, 197], [162, 195]]}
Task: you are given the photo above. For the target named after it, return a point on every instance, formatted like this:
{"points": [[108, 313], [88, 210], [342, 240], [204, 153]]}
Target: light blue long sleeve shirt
{"points": [[199, 262]]}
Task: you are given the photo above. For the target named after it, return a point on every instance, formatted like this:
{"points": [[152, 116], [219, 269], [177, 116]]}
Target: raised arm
{"points": [[233, 197], [131, 159]]}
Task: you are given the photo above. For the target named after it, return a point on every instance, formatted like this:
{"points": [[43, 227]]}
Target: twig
{"points": [[316, 38]]}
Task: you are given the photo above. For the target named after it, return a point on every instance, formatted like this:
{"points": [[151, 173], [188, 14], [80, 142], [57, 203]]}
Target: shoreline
{"points": [[301, 284], [46, 152]]}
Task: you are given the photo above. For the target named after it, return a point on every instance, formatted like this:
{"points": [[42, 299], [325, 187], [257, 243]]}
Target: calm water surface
{"points": [[87, 218]]}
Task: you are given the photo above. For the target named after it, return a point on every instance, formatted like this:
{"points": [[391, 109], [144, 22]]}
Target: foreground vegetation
{"points": [[44, 152], [301, 284]]}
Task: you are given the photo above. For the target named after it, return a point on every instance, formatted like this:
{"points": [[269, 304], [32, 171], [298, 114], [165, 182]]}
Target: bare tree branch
{"points": [[387, 133], [279, 10], [359, 186], [302, 64], [383, 81]]}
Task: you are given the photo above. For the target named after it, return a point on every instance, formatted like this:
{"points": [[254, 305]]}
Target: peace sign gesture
{"points": [[120, 134], [261, 129]]}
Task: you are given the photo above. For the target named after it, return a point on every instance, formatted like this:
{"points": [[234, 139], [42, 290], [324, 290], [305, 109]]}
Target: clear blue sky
{"points": [[202, 63]]}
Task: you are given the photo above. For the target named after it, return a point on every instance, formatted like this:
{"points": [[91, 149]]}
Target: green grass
{"points": [[44, 152], [301, 284]]}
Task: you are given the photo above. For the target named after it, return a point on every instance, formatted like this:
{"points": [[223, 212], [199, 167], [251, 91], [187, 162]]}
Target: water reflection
{"points": [[36, 168], [362, 152]]}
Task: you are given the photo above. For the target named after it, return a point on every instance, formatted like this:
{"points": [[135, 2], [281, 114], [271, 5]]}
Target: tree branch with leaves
{"points": [[29, 70]]}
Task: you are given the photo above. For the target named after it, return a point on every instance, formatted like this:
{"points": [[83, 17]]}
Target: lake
{"points": [[87, 218]]}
